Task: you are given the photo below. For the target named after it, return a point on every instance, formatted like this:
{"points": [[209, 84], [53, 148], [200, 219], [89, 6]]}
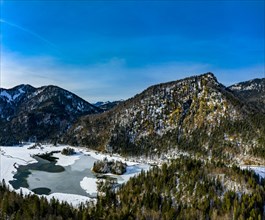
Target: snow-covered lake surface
{"points": [[76, 184]]}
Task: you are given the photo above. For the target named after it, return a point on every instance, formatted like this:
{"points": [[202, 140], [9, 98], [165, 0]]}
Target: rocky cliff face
{"points": [[38, 114], [196, 114]]}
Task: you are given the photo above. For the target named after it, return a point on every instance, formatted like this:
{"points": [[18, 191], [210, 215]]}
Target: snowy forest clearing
{"points": [[80, 186], [259, 170]]}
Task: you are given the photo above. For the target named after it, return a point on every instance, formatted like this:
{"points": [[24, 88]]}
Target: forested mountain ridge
{"points": [[253, 91], [105, 106], [38, 114], [196, 114]]}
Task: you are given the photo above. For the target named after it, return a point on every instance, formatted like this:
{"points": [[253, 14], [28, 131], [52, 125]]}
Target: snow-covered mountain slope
{"points": [[253, 91], [196, 114], [10, 99], [38, 113]]}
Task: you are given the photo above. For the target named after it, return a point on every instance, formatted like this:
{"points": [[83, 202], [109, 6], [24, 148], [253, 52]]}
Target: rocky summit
{"points": [[196, 115]]}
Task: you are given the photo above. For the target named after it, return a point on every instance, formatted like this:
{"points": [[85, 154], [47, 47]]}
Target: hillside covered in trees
{"points": [[184, 189], [198, 115]]}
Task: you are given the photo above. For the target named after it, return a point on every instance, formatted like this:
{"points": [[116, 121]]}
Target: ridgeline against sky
{"points": [[111, 50]]}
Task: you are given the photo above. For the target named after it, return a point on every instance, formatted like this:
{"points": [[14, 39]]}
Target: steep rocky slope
{"points": [[38, 114], [196, 114]]}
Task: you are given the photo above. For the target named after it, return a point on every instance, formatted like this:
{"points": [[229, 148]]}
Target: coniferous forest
{"points": [[185, 189]]}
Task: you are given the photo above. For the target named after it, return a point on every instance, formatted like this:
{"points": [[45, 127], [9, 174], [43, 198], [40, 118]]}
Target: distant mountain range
{"points": [[105, 106], [197, 115], [39, 114], [252, 91]]}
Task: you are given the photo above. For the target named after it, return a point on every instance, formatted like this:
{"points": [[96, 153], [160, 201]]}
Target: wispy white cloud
{"points": [[3, 21], [111, 80]]}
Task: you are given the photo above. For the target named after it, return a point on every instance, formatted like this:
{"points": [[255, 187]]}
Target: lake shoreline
{"points": [[14, 157]]}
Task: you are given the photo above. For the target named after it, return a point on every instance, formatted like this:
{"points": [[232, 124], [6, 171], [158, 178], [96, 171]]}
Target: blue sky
{"points": [[108, 50]]}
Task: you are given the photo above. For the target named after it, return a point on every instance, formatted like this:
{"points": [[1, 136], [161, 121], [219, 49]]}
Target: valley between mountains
{"points": [[201, 143]]}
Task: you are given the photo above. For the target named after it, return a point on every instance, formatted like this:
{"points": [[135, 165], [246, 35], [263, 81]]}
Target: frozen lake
{"points": [[64, 178], [67, 181]]}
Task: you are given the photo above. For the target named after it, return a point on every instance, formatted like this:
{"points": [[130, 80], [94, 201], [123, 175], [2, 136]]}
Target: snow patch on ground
{"points": [[73, 199], [236, 87], [20, 92], [89, 185], [11, 157], [101, 156], [64, 160], [132, 171], [7, 95], [259, 170]]}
